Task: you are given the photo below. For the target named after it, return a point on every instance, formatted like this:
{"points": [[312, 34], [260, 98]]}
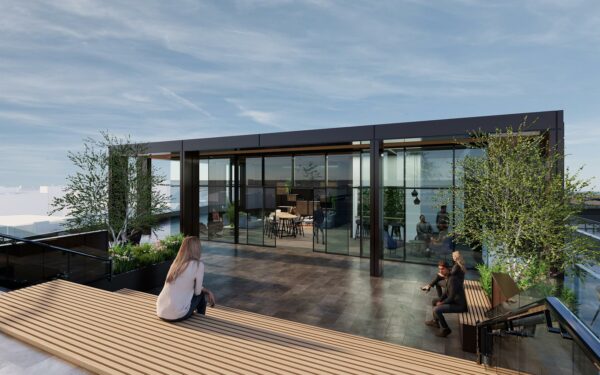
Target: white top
{"points": [[175, 298]]}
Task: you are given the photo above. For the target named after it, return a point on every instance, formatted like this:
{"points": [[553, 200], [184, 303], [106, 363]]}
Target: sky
{"points": [[165, 70]]}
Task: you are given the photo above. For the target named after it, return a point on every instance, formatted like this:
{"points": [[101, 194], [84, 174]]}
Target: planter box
{"points": [[142, 279]]}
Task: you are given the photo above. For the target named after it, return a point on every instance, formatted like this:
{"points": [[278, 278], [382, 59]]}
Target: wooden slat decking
{"points": [[119, 333]]}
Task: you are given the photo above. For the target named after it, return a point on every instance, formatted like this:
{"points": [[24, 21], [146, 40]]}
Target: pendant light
{"points": [[415, 193]]}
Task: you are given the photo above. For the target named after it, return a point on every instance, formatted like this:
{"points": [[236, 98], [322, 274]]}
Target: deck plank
{"points": [[119, 333]]}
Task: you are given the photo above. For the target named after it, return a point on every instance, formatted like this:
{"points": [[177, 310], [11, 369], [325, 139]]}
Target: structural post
{"points": [[236, 199], [189, 194], [376, 218], [144, 189]]}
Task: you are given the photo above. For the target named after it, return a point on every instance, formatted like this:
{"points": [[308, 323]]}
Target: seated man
{"points": [[453, 301], [439, 280]]}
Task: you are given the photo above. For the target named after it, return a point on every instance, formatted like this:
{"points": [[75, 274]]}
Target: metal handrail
{"points": [[52, 247]]}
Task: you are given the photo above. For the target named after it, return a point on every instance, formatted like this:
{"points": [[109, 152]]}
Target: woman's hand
{"points": [[211, 298]]}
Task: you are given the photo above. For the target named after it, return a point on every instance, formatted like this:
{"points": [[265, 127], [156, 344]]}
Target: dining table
{"points": [[284, 223]]}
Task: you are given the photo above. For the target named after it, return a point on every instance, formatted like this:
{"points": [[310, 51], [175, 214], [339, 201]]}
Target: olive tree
{"points": [[520, 204], [113, 188]]}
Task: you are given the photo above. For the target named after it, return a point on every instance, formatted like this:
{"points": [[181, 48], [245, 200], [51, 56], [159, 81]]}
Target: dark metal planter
{"points": [[142, 279]]}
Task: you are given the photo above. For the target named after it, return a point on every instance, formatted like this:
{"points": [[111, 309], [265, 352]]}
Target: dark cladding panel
{"points": [[462, 126], [317, 136], [221, 143], [163, 147]]}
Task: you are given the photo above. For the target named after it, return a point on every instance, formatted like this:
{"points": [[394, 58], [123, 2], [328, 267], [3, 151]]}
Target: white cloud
{"points": [[260, 117]]}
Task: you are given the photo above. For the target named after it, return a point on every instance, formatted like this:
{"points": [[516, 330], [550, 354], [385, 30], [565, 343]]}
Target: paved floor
{"points": [[330, 291], [17, 358]]}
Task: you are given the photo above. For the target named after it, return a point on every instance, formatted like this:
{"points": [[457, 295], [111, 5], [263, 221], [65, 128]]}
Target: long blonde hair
{"points": [[458, 259], [189, 250]]}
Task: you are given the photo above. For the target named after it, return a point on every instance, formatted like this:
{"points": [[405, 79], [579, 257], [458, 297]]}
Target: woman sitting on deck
{"points": [[183, 292]]}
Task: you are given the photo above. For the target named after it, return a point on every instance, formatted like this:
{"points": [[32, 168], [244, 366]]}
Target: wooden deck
{"points": [[119, 333]]}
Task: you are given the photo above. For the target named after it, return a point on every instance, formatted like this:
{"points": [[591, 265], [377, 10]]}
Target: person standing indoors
{"points": [[442, 220], [183, 292]]}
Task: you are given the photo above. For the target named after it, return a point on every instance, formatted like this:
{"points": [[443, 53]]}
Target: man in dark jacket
{"points": [[439, 281], [453, 301]]}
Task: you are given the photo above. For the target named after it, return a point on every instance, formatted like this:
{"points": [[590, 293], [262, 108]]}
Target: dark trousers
{"points": [[439, 311], [438, 287], [198, 303]]}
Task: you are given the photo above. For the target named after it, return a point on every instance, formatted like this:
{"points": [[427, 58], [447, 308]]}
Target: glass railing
{"points": [[588, 226], [25, 262], [544, 337], [585, 284]]}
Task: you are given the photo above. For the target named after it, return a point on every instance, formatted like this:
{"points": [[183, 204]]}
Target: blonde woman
{"points": [[459, 269], [183, 292]]}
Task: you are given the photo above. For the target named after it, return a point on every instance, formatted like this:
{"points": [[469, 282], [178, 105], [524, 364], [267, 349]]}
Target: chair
{"points": [[298, 226]]}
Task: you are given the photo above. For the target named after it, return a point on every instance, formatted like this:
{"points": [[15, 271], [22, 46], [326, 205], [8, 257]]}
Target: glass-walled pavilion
{"points": [[373, 191]]}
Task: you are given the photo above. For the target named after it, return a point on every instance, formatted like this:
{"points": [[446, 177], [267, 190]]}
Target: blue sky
{"points": [[163, 70]]}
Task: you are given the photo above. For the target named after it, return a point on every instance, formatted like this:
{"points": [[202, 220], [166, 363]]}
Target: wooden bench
{"points": [[478, 304], [119, 333]]}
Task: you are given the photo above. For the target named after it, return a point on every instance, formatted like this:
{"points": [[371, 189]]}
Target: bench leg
{"points": [[468, 338]]}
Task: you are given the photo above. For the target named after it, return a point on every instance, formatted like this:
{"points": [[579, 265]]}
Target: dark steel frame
{"points": [[548, 122]]}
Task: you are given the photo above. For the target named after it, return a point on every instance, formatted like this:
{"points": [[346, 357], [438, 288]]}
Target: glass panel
{"points": [[393, 167], [270, 238], [255, 215], [356, 169], [426, 241], [364, 204], [220, 216], [337, 220], [169, 170], [203, 172], [540, 352], [428, 168], [461, 153], [278, 172], [254, 171], [365, 169], [365, 224], [204, 213], [393, 222], [585, 284], [309, 171], [219, 172], [319, 215]]}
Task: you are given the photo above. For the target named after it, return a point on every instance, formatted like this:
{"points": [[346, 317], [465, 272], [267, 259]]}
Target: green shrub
{"points": [[129, 257], [485, 273]]}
